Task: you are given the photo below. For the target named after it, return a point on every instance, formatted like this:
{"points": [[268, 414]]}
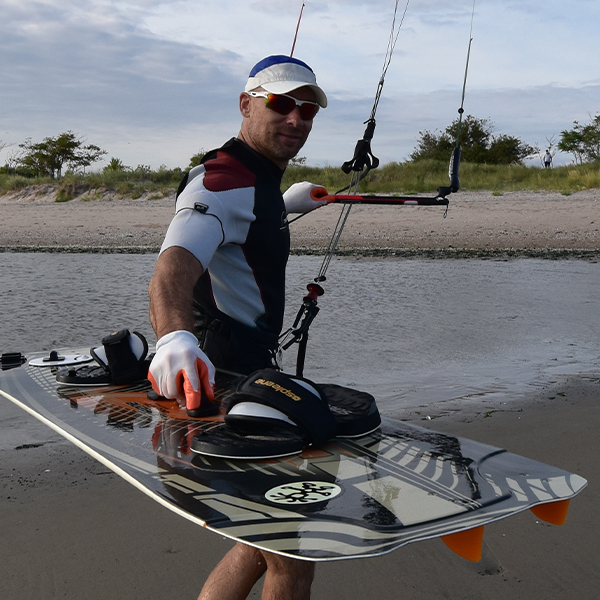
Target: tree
{"points": [[87, 155], [432, 146], [583, 141], [197, 158], [115, 165], [477, 142], [508, 150], [50, 155]]}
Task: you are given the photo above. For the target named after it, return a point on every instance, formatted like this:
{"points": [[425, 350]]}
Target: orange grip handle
{"points": [[320, 193]]}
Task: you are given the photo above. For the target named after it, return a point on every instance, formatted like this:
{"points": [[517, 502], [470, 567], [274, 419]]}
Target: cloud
{"points": [[153, 81], [63, 71], [533, 114]]}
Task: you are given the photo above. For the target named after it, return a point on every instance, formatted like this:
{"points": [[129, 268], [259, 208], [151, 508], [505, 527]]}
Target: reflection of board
{"points": [[350, 498]]}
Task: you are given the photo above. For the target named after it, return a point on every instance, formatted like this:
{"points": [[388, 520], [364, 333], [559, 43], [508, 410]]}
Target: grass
{"points": [[129, 184], [9, 183], [426, 176], [401, 178]]}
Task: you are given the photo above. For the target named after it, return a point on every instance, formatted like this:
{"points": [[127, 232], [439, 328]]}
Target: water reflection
{"points": [[411, 332]]}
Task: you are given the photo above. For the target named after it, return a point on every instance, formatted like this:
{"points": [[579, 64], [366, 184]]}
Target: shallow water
{"points": [[409, 331]]}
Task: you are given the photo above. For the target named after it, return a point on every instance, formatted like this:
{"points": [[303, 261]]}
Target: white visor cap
{"points": [[283, 74]]}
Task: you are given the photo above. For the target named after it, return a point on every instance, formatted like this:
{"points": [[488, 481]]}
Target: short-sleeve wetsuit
{"points": [[231, 216]]}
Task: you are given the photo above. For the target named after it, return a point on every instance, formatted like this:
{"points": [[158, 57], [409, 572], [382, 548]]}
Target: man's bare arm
{"points": [[171, 291]]}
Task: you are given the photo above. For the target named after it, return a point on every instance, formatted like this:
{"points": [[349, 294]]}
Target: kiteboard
{"points": [[349, 498]]}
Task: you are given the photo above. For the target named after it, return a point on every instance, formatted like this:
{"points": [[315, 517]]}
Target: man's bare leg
{"points": [[236, 574], [287, 578]]}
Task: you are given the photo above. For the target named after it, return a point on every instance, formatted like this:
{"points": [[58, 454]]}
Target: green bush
{"points": [[423, 177]]}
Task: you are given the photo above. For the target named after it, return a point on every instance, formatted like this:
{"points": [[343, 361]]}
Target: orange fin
{"points": [[467, 544], [552, 512]]}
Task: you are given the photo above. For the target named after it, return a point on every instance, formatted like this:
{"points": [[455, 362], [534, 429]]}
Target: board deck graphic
{"points": [[350, 498]]}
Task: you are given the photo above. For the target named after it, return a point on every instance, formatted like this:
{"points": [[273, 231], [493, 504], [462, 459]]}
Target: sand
{"points": [[71, 529], [521, 223]]}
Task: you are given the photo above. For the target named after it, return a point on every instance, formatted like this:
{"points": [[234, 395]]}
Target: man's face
{"points": [[278, 137]]}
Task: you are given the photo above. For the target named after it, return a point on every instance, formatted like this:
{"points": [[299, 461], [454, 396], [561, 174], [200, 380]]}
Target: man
{"points": [[220, 277], [547, 159]]}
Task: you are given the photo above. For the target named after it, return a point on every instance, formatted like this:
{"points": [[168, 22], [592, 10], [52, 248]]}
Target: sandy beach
{"points": [[521, 223], [72, 529]]}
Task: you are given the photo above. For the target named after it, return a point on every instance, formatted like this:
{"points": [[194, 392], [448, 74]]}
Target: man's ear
{"points": [[245, 105]]}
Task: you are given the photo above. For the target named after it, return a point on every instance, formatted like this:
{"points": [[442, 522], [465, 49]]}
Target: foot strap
{"points": [[270, 397], [122, 354]]}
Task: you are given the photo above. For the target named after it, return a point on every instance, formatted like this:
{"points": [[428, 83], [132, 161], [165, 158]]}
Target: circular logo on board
{"points": [[303, 492]]}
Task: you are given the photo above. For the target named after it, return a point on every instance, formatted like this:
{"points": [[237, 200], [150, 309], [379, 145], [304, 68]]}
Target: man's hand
{"points": [[180, 370], [304, 196]]}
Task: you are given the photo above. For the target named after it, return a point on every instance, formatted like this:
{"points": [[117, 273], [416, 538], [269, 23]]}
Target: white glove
{"points": [[304, 196], [180, 370]]}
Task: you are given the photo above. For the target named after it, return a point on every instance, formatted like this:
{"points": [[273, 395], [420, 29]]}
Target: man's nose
{"points": [[295, 118]]}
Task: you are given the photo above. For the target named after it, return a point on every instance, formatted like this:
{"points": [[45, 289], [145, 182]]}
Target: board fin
{"points": [[468, 543], [554, 513]]}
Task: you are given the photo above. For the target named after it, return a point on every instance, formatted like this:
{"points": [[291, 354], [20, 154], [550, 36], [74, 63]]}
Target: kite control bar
{"points": [[440, 200], [389, 200]]}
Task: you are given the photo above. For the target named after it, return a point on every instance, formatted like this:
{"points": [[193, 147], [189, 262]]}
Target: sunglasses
{"points": [[284, 104]]}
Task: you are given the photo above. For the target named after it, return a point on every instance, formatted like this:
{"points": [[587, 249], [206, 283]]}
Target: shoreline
{"points": [[387, 253], [478, 224]]}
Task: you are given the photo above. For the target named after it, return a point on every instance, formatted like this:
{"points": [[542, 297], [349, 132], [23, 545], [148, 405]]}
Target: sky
{"points": [[153, 82]]}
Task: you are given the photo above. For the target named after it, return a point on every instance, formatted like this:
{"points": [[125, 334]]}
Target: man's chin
{"points": [[288, 152], [291, 143], [282, 152]]}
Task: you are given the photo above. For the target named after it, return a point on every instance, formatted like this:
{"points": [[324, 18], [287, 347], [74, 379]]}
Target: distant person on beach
{"points": [[217, 294], [547, 159]]}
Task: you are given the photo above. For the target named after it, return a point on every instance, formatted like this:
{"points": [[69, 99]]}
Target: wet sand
{"points": [[71, 529], [525, 223]]}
